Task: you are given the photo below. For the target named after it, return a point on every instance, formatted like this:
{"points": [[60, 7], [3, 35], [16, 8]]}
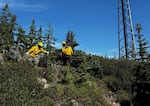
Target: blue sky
{"points": [[94, 22]]}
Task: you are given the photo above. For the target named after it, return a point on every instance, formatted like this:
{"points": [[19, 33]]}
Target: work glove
{"points": [[27, 53]]}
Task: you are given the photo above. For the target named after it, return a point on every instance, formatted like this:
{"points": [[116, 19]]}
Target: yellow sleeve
{"points": [[43, 50], [32, 49], [63, 50]]}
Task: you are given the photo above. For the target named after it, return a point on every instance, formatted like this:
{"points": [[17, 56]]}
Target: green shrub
{"points": [[112, 82], [19, 86], [123, 97]]}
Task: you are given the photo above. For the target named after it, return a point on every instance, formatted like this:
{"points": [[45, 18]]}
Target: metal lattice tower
{"points": [[125, 31]]}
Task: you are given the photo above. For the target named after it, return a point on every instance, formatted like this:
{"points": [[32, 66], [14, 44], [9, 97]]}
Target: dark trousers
{"points": [[66, 59]]}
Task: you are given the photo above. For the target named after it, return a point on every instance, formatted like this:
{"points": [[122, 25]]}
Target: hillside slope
{"points": [[19, 87]]}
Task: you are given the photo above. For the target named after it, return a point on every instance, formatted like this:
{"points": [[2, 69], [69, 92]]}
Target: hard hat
{"points": [[64, 43], [40, 44]]}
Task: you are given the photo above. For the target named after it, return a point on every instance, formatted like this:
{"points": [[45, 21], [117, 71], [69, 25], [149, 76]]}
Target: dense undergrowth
{"points": [[19, 87], [89, 81]]}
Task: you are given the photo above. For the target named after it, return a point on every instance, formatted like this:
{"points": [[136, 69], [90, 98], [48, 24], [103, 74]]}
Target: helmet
{"points": [[64, 43], [40, 44]]}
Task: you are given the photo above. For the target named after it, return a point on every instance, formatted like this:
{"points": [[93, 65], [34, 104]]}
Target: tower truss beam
{"points": [[125, 31]]}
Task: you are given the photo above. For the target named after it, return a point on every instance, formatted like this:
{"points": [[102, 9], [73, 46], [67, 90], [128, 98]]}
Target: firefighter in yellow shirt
{"points": [[33, 53], [66, 53]]}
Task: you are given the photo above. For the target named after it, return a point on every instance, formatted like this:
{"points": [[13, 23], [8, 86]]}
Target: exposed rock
{"points": [[43, 82], [74, 102], [14, 54], [46, 86], [1, 57]]}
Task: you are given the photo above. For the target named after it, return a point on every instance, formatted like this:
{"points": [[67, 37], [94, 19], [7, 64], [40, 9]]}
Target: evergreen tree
{"points": [[49, 40], [7, 28], [148, 58], [21, 40], [32, 34], [143, 44], [70, 39], [39, 35]]}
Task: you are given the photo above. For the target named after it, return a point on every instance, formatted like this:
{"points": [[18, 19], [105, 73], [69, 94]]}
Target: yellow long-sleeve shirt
{"points": [[35, 50], [67, 50]]}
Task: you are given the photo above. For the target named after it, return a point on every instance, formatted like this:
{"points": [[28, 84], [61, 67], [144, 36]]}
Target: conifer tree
{"points": [[7, 28], [32, 34], [143, 44], [39, 35], [49, 40], [148, 58], [21, 40], [70, 39]]}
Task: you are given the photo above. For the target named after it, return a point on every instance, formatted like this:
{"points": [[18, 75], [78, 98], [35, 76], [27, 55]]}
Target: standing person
{"points": [[33, 53], [66, 53]]}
